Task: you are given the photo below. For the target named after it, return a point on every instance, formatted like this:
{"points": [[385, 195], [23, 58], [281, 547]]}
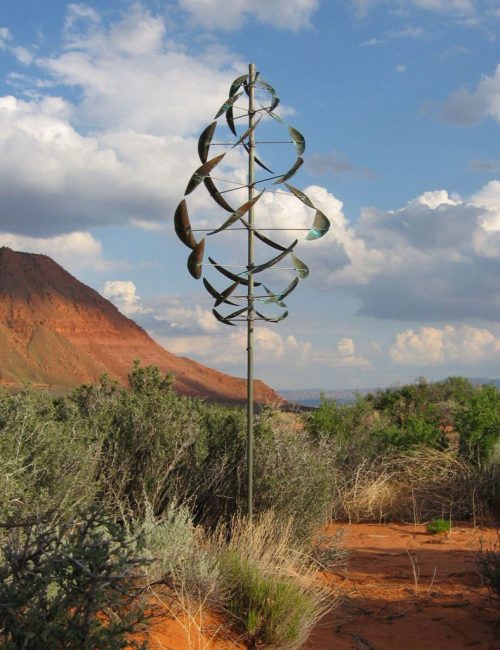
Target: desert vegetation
{"points": [[166, 473]]}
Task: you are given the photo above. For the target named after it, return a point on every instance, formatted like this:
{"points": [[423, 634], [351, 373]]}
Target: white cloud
{"points": [[219, 14], [55, 179], [229, 348], [345, 347], [5, 37], [400, 69], [134, 77], [123, 294], [430, 345], [74, 251], [435, 258]]}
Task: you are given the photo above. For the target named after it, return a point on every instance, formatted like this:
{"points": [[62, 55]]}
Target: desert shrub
{"points": [[151, 433], [488, 561], [479, 424], [47, 464], [292, 473], [179, 556], [347, 427], [68, 586], [414, 432], [438, 525]]}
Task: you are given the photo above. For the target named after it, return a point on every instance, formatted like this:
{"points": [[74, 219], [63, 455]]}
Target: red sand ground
{"points": [[386, 606], [442, 606]]}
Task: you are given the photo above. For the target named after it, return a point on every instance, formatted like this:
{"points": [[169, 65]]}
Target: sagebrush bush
{"points": [[47, 464], [69, 586]]}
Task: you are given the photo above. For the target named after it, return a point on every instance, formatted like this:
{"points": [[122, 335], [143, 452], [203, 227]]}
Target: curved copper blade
{"points": [[290, 288], [195, 260], [238, 312], [202, 172], [221, 319], [301, 268], [237, 214], [272, 320], [205, 141], [227, 105], [278, 297], [293, 170], [227, 292], [274, 260], [247, 133], [237, 83], [219, 297], [298, 140], [216, 195], [267, 87], [231, 276], [269, 242], [259, 162], [300, 195], [321, 225], [182, 225]]}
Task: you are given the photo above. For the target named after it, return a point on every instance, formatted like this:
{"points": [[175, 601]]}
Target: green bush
{"points": [[47, 464], [68, 586], [438, 525]]}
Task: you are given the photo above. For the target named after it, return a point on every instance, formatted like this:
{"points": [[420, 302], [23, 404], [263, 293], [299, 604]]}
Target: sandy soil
{"points": [[402, 589], [407, 590]]}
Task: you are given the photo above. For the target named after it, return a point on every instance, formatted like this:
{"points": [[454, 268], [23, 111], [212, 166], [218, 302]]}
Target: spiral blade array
{"points": [[236, 219]]}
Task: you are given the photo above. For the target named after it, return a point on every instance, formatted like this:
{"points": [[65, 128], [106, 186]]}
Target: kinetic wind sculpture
{"points": [[242, 218]]}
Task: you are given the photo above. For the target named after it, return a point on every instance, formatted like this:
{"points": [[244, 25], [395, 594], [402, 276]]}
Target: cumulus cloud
{"points": [[228, 350], [161, 315], [74, 251], [345, 347], [219, 14], [430, 345], [123, 151], [436, 258], [57, 180], [123, 294]]}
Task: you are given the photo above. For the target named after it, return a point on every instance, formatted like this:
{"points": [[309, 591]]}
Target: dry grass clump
{"points": [[259, 576], [414, 486], [271, 583]]}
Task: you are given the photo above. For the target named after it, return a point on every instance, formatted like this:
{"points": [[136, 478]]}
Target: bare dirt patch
{"points": [[407, 590]]}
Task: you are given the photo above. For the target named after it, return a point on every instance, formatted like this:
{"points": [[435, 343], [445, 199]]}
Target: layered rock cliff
{"points": [[56, 331]]}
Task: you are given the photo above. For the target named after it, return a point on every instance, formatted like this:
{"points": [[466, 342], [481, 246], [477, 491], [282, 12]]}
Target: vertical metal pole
{"points": [[250, 320]]}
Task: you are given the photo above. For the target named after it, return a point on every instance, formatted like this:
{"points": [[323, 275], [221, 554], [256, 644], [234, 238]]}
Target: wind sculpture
{"points": [[240, 293]]}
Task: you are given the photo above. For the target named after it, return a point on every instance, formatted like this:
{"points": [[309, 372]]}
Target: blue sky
{"points": [[101, 105]]}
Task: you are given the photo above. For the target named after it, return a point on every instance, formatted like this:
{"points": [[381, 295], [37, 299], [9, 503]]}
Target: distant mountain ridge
{"points": [[56, 331], [311, 396]]}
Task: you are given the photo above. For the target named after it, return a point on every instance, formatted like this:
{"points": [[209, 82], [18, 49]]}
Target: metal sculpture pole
{"points": [[250, 319], [243, 219]]}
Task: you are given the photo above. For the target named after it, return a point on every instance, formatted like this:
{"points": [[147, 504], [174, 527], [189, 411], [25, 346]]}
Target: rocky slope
{"points": [[56, 331]]}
